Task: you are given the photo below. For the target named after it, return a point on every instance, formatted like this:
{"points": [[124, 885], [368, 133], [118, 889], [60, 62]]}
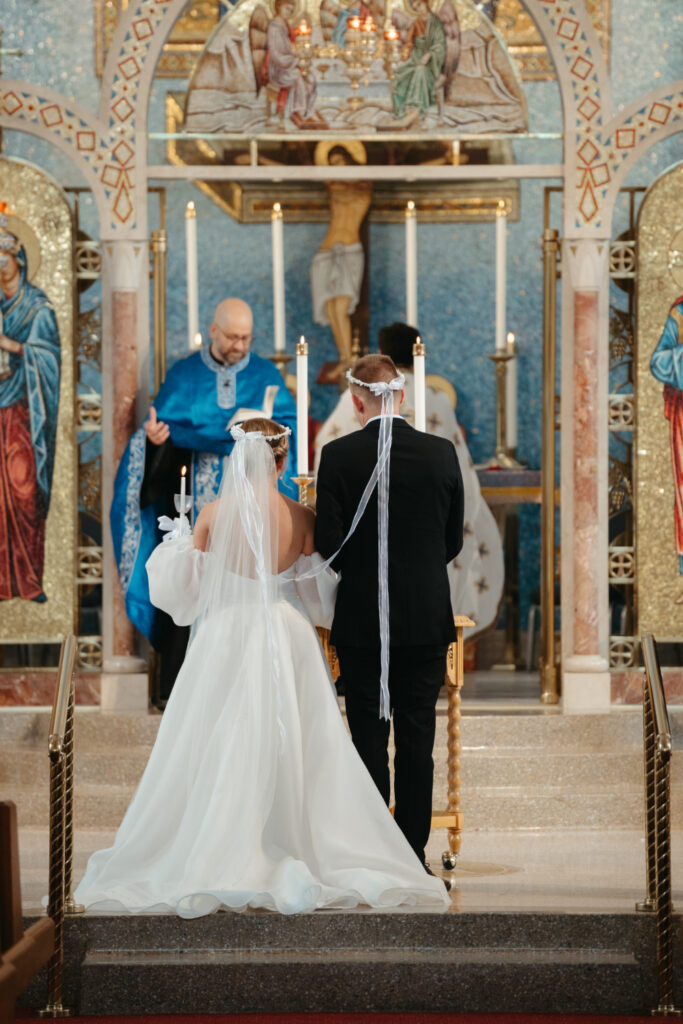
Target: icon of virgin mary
{"points": [[29, 403]]}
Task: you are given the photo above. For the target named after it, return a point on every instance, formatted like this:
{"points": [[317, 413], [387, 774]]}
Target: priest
{"points": [[188, 426]]}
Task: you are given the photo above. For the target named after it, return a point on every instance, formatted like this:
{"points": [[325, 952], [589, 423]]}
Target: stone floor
{"points": [[572, 871]]}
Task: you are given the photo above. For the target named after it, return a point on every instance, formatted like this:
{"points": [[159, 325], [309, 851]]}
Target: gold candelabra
{"points": [[391, 51], [360, 49], [303, 47]]}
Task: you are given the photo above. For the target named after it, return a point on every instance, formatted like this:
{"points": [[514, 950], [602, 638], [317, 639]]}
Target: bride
{"points": [[254, 795]]}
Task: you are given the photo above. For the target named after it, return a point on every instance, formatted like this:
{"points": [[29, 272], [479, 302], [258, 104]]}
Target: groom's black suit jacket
{"points": [[425, 533]]}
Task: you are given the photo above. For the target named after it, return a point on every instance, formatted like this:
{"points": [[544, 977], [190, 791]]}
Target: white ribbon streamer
{"points": [[379, 478]]}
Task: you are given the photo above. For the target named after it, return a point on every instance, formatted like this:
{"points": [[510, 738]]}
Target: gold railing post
{"points": [[70, 905], [159, 248], [452, 817], [662, 746], [648, 903], [548, 671], [61, 722]]}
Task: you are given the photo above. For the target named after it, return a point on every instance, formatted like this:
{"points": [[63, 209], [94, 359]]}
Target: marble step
{"points": [[486, 807], [587, 771], [232, 981], [617, 731], [391, 961]]}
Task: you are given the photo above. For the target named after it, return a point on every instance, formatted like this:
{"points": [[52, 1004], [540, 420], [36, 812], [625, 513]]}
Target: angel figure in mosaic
{"points": [[276, 67], [432, 44]]}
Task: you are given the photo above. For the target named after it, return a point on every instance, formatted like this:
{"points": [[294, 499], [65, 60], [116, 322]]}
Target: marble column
{"points": [[124, 681], [585, 601]]}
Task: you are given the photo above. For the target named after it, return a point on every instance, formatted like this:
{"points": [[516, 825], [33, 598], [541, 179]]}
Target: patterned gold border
{"points": [[660, 283], [38, 200], [184, 46]]}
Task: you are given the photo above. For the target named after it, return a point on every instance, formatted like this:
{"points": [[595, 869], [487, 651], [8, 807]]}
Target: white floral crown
{"points": [[380, 387], [238, 434]]}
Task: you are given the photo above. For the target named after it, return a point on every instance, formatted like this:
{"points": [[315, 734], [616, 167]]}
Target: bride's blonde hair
{"points": [[268, 428]]}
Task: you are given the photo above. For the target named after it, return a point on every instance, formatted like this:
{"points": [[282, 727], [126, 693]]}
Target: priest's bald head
{"points": [[231, 331]]}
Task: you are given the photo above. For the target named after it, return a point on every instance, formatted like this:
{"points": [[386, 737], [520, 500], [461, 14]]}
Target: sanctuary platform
{"points": [[542, 915]]}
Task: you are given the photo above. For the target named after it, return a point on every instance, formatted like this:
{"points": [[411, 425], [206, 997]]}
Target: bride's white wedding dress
{"points": [[254, 795]]}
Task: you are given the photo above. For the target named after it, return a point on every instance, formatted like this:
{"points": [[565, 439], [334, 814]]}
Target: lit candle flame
{"points": [[411, 205], [198, 339], [183, 471]]}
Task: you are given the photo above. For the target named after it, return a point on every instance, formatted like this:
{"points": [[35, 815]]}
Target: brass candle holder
{"points": [[503, 459], [281, 359], [303, 482]]}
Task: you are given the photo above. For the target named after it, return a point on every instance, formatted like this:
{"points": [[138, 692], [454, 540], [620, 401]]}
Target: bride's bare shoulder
{"points": [[203, 525], [303, 522]]}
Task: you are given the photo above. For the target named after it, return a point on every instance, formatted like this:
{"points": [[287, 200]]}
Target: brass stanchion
{"points": [[60, 797], [452, 818], [70, 905], [548, 670], [159, 249], [648, 903], [659, 824]]}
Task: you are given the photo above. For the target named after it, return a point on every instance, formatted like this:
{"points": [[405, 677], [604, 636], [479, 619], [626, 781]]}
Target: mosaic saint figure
{"points": [[277, 66], [414, 85], [29, 404], [666, 365], [357, 9]]}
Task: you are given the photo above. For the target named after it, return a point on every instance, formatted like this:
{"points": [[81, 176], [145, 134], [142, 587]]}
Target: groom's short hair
{"points": [[374, 368], [371, 369]]}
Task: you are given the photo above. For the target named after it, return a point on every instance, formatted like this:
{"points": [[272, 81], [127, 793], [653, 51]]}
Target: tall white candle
{"points": [[278, 278], [191, 261], [419, 384], [511, 393], [183, 479], [501, 259], [411, 264], [302, 407]]}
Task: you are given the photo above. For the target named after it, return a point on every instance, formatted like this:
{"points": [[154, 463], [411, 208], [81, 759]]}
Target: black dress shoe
{"points": [[444, 880]]}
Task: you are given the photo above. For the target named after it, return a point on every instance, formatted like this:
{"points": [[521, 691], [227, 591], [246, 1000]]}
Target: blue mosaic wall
{"points": [[456, 286]]}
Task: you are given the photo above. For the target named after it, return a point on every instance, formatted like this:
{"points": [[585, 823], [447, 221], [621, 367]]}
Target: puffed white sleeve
{"points": [[317, 593], [174, 571]]}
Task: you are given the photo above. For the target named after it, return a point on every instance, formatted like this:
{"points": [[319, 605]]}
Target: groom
{"points": [[425, 533]]}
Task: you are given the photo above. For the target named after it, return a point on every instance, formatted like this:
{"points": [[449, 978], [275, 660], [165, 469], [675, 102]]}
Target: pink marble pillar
{"points": [[586, 556], [122, 317], [585, 674]]}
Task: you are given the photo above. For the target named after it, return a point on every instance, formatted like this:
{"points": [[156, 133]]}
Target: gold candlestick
{"points": [[502, 459], [304, 483], [280, 359]]}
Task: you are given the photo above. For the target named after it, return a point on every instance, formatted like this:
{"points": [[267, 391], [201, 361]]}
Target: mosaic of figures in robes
{"points": [[365, 65], [29, 405], [667, 367]]}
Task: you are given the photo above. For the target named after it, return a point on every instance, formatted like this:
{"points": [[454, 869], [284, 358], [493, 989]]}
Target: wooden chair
{"points": [[22, 954]]}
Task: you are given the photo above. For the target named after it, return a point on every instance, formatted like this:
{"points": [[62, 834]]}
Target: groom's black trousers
{"points": [[416, 674]]}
